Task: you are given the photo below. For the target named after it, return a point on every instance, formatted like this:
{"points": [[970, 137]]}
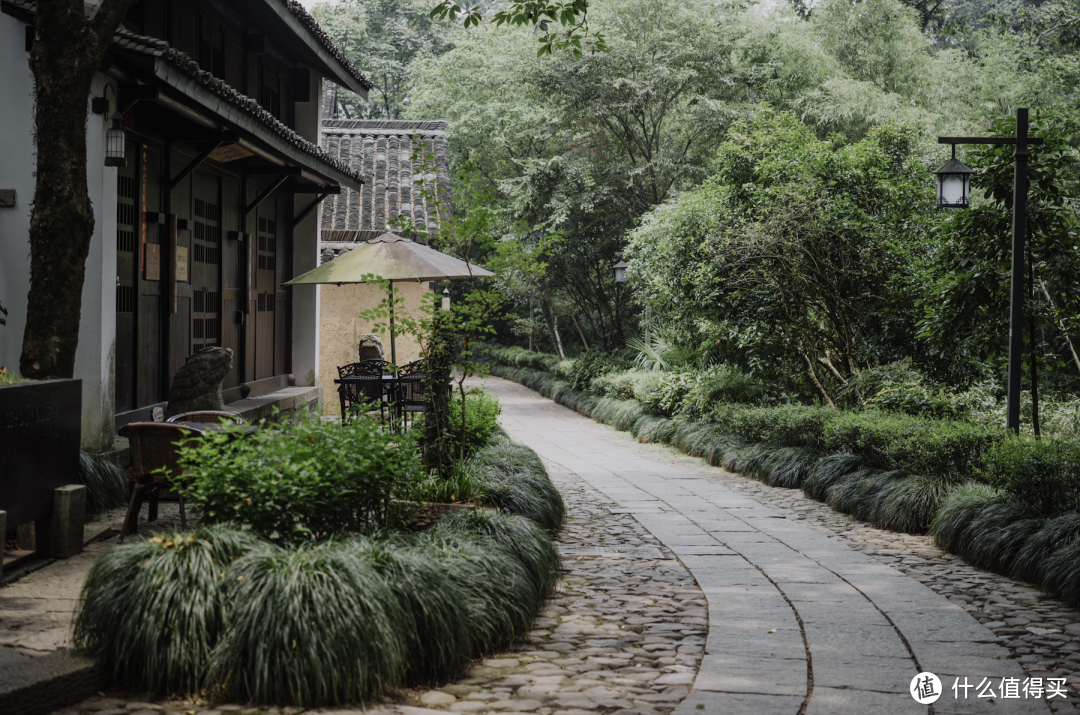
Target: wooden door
{"points": [[206, 262], [266, 288], [151, 245], [128, 213]]}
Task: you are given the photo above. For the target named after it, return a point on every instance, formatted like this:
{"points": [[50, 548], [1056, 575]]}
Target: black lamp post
{"points": [[948, 188]]}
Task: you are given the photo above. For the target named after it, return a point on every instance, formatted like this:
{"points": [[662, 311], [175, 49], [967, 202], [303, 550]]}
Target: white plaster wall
{"points": [[16, 172], [97, 333], [95, 357]]}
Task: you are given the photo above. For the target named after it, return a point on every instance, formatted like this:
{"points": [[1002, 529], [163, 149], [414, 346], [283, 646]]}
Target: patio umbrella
{"points": [[393, 258]]}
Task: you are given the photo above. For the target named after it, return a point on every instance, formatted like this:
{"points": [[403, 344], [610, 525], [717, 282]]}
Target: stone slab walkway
{"points": [[800, 623]]}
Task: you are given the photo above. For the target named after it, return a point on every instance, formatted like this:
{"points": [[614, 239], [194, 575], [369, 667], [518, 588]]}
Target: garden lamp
{"points": [[446, 299], [620, 271], [953, 183], [115, 138]]}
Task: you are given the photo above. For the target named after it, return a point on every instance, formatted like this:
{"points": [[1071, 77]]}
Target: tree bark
{"points": [[68, 49], [812, 376]]}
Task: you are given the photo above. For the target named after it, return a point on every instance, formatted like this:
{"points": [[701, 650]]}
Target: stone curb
{"points": [[38, 685]]}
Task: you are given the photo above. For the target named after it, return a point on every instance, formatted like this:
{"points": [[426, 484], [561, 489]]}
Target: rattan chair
{"points": [[153, 445], [207, 416], [361, 396]]}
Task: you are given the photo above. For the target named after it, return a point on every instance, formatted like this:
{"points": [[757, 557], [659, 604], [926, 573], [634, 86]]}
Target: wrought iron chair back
{"points": [[361, 395]]}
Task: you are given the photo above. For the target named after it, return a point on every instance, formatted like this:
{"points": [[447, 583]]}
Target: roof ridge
{"points": [[319, 34], [392, 124]]}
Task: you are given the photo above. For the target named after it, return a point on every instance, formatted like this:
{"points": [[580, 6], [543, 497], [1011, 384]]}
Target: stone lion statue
{"points": [[197, 384], [371, 347]]}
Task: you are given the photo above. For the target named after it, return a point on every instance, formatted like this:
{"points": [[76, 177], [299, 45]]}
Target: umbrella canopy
{"points": [[391, 257], [394, 258]]}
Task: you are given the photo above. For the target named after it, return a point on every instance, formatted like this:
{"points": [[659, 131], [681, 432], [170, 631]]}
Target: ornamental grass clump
{"points": [[512, 478], [106, 483], [305, 481], [310, 625], [152, 611]]}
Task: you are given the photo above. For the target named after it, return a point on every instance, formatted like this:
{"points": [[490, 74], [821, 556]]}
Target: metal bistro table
{"points": [[391, 385]]}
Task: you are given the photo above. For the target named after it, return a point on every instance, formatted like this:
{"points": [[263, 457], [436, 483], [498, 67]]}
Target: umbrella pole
{"points": [[393, 343]]}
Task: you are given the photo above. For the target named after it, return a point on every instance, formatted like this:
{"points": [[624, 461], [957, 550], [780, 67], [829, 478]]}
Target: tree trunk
{"points": [[68, 48], [812, 376]]}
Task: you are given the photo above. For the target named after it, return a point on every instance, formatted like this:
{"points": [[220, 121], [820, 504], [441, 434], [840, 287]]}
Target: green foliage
{"points": [[481, 419], [308, 480], [152, 611], [590, 365], [12, 378], [628, 385], [1043, 474], [106, 483], [667, 397]]}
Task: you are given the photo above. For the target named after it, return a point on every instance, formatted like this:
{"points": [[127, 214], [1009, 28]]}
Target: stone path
{"points": [[800, 622]]}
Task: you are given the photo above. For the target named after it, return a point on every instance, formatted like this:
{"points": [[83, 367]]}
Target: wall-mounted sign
{"points": [[230, 152], [7, 197], [181, 264], [153, 262]]}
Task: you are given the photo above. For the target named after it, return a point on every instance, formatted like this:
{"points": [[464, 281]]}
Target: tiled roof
{"points": [[319, 34], [142, 44], [151, 46], [382, 152]]}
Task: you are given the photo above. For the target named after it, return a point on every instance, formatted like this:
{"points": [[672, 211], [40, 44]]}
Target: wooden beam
{"points": [[311, 207], [223, 138], [265, 194]]}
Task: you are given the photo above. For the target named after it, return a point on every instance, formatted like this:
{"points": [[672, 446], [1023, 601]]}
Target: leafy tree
{"points": [[386, 38], [813, 247]]}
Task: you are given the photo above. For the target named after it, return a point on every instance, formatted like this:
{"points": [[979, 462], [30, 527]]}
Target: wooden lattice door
{"points": [[206, 263], [127, 224], [266, 288]]}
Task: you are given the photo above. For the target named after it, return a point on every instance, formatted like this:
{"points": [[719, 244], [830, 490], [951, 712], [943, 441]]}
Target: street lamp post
{"points": [[947, 188]]}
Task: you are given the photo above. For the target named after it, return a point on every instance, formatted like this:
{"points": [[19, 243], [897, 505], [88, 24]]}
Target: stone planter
{"points": [[40, 425]]}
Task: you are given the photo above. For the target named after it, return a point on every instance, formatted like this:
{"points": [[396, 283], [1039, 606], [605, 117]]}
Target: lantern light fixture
{"points": [[115, 144], [620, 271], [953, 183], [115, 138], [446, 299]]}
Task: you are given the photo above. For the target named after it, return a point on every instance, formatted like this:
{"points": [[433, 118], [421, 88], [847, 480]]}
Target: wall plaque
{"points": [[153, 262], [181, 264]]}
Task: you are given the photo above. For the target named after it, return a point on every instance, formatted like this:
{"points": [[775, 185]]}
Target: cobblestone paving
{"points": [[621, 636]]}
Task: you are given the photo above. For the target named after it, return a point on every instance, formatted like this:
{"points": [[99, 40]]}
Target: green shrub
{"points": [[871, 381], [920, 446], [723, 384], [311, 479], [153, 610], [520, 357], [785, 425], [666, 399], [1041, 473], [589, 365], [106, 483], [482, 410], [628, 385]]}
